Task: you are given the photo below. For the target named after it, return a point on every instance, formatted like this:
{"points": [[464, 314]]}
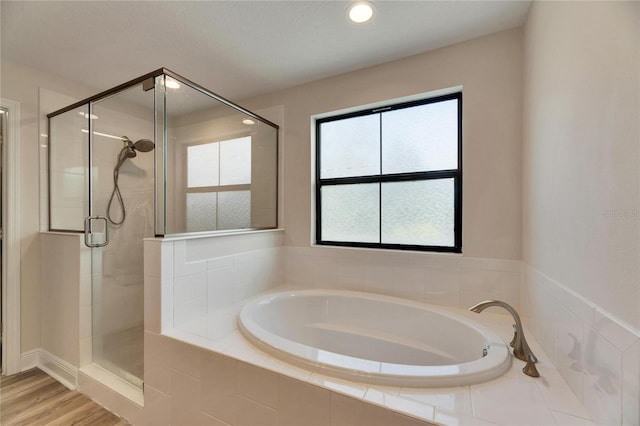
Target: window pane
{"points": [[201, 211], [234, 209], [202, 165], [235, 161], [350, 147], [418, 212], [351, 213], [421, 138]]}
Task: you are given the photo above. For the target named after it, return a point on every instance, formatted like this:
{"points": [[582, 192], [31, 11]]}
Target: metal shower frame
{"points": [[148, 82]]}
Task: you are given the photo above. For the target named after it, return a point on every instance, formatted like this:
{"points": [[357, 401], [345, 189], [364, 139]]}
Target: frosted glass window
{"points": [[214, 166], [235, 161], [351, 213], [350, 147], [390, 176], [201, 211], [418, 212], [203, 165], [420, 138], [234, 209]]}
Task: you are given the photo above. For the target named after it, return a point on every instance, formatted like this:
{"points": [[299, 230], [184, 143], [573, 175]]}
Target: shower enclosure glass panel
{"points": [[221, 167], [69, 169], [155, 156], [122, 187]]}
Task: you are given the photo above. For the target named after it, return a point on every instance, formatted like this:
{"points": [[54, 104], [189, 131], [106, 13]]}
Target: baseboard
{"points": [[29, 359], [54, 366]]}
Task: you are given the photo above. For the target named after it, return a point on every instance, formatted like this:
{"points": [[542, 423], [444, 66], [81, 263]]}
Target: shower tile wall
{"points": [[49, 101], [597, 355], [118, 275], [122, 259]]}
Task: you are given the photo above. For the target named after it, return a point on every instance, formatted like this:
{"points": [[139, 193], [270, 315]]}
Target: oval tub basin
{"points": [[374, 339]]}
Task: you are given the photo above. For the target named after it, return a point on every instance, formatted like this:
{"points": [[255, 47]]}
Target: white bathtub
{"points": [[374, 339]]}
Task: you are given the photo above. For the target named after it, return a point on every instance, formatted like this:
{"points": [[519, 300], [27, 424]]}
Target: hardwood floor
{"points": [[33, 398]]}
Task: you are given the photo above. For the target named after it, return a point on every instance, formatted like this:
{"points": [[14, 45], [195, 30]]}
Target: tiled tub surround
{"points": [[200, 370], [597, 355], [439, 279], [235, 382]]}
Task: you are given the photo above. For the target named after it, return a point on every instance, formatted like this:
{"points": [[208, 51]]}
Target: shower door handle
{"points": [[89, 235]]}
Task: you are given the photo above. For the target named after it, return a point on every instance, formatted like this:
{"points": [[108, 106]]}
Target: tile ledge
{"points": [[212, 234]]}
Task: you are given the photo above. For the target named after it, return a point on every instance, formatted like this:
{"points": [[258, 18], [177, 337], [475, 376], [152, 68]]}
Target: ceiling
{"points": [[235, 48]]}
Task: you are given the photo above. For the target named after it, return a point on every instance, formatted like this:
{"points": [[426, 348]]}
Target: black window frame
{"points": [[456, 174]]}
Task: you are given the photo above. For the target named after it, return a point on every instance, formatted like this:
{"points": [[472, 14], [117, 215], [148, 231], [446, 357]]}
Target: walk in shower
{"points": [[157, 156]]}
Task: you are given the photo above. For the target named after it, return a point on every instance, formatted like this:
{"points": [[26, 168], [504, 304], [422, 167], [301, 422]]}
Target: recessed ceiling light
{"points": [[171, 83], [360, 11], [248, 122], [106, 135], [85, 115]]}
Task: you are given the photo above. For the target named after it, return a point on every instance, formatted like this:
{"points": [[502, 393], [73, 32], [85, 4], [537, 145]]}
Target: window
{"points": [[219, 185], [391, 177]]}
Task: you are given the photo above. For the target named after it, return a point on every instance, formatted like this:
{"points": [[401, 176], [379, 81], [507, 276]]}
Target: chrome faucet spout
{"points": [[521, 348]]}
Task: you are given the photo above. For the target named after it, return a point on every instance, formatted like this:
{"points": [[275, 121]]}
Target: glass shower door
{"points": [[122, 215]]}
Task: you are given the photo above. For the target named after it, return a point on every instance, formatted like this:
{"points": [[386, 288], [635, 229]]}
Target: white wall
{"points": [[490, 71], [581, 203], [20, 83], [581, 156], [62, 268]]}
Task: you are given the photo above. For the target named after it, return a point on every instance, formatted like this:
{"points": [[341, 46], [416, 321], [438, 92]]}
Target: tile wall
{"points": [[450, 280], [200, 275], [190, 385], [598, 356]]}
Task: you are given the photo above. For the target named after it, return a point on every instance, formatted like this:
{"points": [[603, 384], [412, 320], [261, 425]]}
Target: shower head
{"points": [[144, 145], [130, 148]]}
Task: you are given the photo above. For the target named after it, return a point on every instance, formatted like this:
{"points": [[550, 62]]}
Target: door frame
{"points": [[11, 240]]}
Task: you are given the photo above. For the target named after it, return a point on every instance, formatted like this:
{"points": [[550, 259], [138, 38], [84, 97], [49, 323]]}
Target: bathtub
{"points": [[374, 339]]}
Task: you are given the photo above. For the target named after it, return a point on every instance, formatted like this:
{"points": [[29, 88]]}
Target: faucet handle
{"points": [[530, 368]]}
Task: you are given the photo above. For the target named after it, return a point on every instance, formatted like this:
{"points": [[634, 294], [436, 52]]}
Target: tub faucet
{"points": [[520, 346]]}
